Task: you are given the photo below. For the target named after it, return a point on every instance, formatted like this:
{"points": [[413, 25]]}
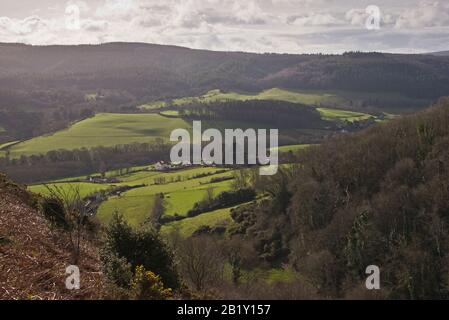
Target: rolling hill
{"points": [[148, 70], [102, 130]]}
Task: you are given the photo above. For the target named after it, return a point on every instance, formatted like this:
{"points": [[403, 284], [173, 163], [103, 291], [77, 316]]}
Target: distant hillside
{"points": [[440, 53], [33, 257], [145, 70], [45, 88]]}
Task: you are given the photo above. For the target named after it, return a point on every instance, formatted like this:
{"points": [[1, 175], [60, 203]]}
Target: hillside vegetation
{"points": [[379, 197], [34, 257]]}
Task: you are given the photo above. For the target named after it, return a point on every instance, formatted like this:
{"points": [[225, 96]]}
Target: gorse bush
{"points": [[126, 249], [148, 286]]}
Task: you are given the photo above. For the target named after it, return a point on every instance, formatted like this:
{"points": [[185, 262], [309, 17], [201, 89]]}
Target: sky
{"points": [[281, 26]]}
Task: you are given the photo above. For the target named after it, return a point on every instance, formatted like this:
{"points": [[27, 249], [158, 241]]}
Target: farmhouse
{"points": [[100, 179], [161, 166]]}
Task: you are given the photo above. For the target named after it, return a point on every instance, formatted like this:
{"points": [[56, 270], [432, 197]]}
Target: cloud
{"points": [[427, 14], [314, 19], [22, 27], [292, 26], [94, 25]]}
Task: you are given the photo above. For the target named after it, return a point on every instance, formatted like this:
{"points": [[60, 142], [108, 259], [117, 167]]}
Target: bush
{"points": [[141, 247], [53, 211], [148, 286]]}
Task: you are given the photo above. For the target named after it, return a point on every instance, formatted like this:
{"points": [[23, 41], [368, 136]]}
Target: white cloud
{"points": [[427, 14], [253, 25], [315, 19]]}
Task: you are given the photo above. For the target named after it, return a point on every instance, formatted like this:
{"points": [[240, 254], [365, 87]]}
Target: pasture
{"points": [[307, 97], [188, 226], [181, 189], [104, 129]]}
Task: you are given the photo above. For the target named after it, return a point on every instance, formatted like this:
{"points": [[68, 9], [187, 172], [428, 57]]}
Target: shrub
{"points": [[148, 286], [53, 210], [142, 247]]}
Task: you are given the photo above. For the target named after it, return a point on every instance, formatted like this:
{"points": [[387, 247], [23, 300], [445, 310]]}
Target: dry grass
{"points": [[33, 258]]}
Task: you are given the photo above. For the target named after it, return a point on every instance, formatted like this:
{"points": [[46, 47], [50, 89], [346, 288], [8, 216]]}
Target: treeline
{"points": [[33, 112], [225, 199], [25, 114], [280, 114], [66, 163], [379, 197]]}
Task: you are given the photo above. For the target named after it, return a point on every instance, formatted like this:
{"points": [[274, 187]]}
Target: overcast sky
{"points": [[291, 26]]}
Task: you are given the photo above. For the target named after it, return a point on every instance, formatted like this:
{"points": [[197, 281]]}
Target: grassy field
{"points": [[315, 98], [7, 144], [304, 97], [84, 188], [170, 113], [103, 130], [153, 105], [270, 275], [2, 129], [343, 115], [188, 226], [293, 148], [109, 129], [182, 189], [179, 197]]}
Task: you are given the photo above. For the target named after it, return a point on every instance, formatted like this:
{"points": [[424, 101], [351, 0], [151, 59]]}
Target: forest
{"points": [[379, 197], [279, 114]]}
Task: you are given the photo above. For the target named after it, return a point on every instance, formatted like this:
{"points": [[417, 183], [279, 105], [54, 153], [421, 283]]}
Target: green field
{"points": [[170, 113], [7, 144], [270, 275], [304, 97], [105, 129], [153, 105], [84, 188], [109, 129], [314, 98], [293, 148], [343, 115], [2, 129], [181, 189], [188, 226], [179, 197]]}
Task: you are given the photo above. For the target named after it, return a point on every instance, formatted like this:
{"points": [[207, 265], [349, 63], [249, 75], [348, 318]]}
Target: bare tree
{"points": [[75, 212], [201, 262]]}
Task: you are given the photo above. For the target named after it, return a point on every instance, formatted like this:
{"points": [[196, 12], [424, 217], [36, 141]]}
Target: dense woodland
{"points": [[278, 114], [377, 197]]}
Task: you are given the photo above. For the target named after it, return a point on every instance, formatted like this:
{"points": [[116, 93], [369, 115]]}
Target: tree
{"points": [[158, 210], [201, 262]]}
